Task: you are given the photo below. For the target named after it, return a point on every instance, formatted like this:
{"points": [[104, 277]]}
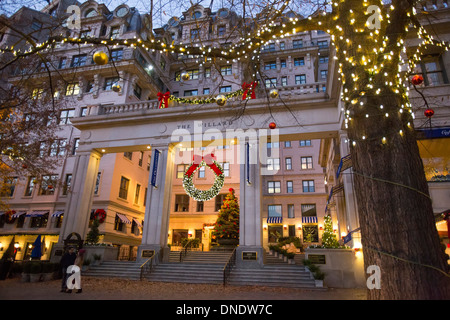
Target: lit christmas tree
{"points": [[328, 237], [227, 224]]}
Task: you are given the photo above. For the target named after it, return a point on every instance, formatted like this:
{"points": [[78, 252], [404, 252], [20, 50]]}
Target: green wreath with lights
{"points": [[188, 184]]}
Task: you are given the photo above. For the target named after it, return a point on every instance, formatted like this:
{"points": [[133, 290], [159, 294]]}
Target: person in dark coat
{"points": [[67, 260]]}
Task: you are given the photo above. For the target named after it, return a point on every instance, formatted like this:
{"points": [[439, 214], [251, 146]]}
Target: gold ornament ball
{"points": [[116, 88], [273, 93], [221, 100], [100, 58], [185, 76]]}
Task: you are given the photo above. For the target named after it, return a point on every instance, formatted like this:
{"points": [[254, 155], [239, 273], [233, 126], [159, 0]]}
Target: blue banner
{"points": [[247, 150], [155, 167], [433, 133]]}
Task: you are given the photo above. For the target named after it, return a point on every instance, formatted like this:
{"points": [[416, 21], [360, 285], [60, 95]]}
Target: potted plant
{"points": [[48, 271], [97, 258], [26, 270], [290, 257], [318, 278], [35, 271], [86, 264]]}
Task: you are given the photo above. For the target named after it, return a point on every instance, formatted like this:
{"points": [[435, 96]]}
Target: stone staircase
{"points": [[292, 276], [207, 267]]}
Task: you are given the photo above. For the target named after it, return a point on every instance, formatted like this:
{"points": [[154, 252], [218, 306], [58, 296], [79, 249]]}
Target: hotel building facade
{"points": [[116, 136]]}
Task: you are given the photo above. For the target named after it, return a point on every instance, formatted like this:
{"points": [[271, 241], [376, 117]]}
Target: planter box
{"points": [[107, 253], [48, 276], [341, 267], [318, 283], [35, 277], [25, 277]]}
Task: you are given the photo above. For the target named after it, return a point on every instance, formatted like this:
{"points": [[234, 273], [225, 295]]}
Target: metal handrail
{"points": [[229, 266], [147, 266], [183, 251]]}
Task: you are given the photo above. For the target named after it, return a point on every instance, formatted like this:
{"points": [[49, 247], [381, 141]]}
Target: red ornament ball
{"points": [[429, 113], [417, 79], [231, 190], [272, 125]]}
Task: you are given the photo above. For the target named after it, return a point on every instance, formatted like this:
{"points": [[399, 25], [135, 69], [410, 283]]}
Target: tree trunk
{"points": [[395, 212]]}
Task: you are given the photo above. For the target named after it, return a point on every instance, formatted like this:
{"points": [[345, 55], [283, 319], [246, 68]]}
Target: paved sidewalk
{"points": [[120, 289]]}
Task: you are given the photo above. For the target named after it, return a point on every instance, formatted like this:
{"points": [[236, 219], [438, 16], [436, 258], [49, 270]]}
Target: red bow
{"points": [[209, 160], [246, 87], [163, 98]]}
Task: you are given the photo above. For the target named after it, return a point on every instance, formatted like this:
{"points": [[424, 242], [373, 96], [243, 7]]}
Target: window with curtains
{"points": [[274, 210], [181, 203], [123, 189]]}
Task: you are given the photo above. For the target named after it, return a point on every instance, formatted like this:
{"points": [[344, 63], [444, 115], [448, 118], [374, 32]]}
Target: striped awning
{"points": [[18, 214], [137, 222], [58, 213], [37, 213], [309, 219], [274, 219], [123, 218]]}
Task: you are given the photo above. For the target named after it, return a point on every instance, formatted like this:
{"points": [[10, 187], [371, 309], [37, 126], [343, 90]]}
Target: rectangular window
{"points": [[141, 158], [181, 203], [137, 91], [201, 172], [48, 185], [97, 183], [282, 45], [300, 79], [297, 44], [287, 144], [128, 155], [193, 74], [219, 201], [323, 59], [8, 187], [145, 196], [137, 193], [190, 93], [36, 25], [76, 142], [309, 210], [205, 90], [273, 187], [322, 44], [221, 30], [110, 82], [273, 164], [283, 63], [200, 206], [40, 221], [123, 189], [65, 115], [433, 71], [306, 163], [115, 31], [289, 186], [274, 210], [308, 186], [62, 63], [271, 82], [195, 34], [67, 182], [118, 224], [181, 169], [272, 65], [72, 89], [79, 60], [305, 143], [30, 186], [225, 89], [291, 213], [58, 148], [323, 74], [226, 70], [207, 73], [226, 168], [299, 61], [284, 81], [288, 162]]}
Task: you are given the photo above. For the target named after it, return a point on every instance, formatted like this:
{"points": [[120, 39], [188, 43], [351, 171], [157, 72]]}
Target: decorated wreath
{"points": [[188, 185], [100, 215]]}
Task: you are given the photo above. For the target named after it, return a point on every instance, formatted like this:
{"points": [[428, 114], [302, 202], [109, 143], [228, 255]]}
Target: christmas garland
{"points": [[100, 215], [203, 195]]}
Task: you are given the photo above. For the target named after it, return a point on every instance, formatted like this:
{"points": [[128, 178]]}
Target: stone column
{"points": [[79, 201], [156, 220], [250, 226], [351, 206]]}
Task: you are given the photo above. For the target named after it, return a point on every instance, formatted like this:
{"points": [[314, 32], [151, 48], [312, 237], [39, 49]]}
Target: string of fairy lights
{"points": [[354, 91]]}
